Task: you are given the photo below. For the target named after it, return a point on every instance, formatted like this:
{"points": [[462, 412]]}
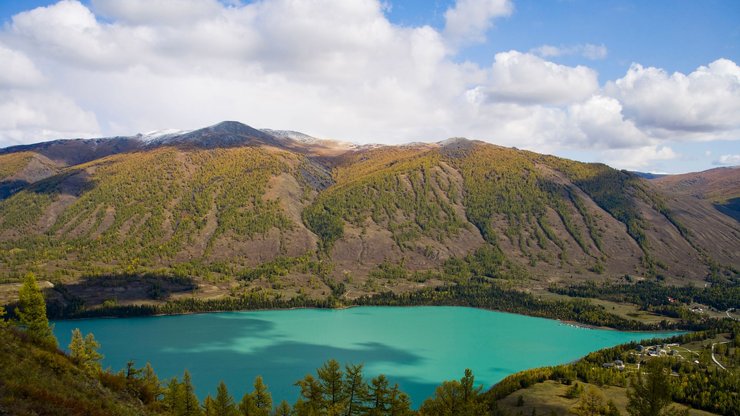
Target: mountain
{"points": [[280, 213], [720, 186]]}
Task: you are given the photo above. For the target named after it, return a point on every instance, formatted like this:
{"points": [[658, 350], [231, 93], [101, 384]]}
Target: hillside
{"points": [[229, 209], [36, 380], [719, 187]]}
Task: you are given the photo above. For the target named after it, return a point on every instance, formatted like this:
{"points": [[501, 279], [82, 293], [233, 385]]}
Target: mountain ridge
{"points": [[239, 209]]}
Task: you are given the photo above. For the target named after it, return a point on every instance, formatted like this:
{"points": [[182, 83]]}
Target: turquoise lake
{"points": [[416, 347]]}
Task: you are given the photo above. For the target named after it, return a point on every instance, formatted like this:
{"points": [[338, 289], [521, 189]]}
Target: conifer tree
{"points": [[247, 407], [209, 406], [84, 351], [332, 386], [190, 405], [32, 311], [173, 397], [262, 397], [355, 390], [283, 409], [311, 401], [651, 395], [152, 386], [591, 403], [400, 404], [379, 396], [224, 403]]}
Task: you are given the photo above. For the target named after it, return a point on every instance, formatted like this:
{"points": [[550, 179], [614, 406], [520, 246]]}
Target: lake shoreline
{"points": [[571, 323]]}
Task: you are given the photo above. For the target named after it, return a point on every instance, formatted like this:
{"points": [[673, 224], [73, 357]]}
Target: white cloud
{"points": [[702, 104], [587, 50], [638, 158], [33, 116], [731, 160], [468, 20], [336, 68], [526, 78], [16, 70], [157, 11], [602, 124]]}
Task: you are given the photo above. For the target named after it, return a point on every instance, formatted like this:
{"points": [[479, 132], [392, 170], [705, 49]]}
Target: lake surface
{"points": [[416, 347]]}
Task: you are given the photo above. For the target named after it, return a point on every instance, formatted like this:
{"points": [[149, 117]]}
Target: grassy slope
{"points": [[43, 381]]}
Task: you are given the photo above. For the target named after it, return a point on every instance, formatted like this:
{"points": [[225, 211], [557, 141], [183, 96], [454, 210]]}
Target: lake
{"points": [[416, 347]]}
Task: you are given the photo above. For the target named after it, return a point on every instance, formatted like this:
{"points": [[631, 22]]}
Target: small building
{"points": [[619, 364], [640, 348]]}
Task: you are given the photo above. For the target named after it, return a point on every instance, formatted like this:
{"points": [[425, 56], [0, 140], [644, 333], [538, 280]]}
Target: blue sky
{"points": [[554, 76]]}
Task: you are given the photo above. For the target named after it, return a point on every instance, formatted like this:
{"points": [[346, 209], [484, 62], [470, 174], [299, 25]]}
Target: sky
{"points": [[642, 85]]}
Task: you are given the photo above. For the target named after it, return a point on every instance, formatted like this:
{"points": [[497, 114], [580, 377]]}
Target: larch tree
{"points": [[189, 401], [32, 311], [283, 409], [649, 395], [355, 390], [262, 397], [84, 351], [332, 386], [224, 403]]}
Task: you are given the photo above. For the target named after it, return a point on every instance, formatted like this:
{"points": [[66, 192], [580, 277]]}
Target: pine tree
{"points": [[400, 404], [379, 396], [355, 390], [247, 407], [85, 351], [190, 405], [649, 396], [332, 385], [32, 311], [209, 406], [311, 401], [224, 403], [151, 385], [77, 346], [591, 403], [262, 397], [173, 397], [283, 409]]}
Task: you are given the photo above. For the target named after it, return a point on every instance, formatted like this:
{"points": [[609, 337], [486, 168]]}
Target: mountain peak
{"points": [[226, 133]]}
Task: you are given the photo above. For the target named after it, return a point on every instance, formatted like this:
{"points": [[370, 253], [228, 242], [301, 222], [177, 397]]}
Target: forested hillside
{"points": [[230, 210]]}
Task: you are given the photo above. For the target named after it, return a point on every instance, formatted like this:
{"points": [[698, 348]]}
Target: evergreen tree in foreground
{"points": [[223, 404], [650, 395], [460, 398], [32, 311], [84, 351], [258, 402]]}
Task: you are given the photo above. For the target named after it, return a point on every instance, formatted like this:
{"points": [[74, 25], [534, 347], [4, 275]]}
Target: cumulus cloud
{"points": [[728, 160], [157, 11], [702, 104], [32, 116], [468, 20], [638, 158], [587, 50], [337, 68], [16, 70], [526, 78], [602, 124]]}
